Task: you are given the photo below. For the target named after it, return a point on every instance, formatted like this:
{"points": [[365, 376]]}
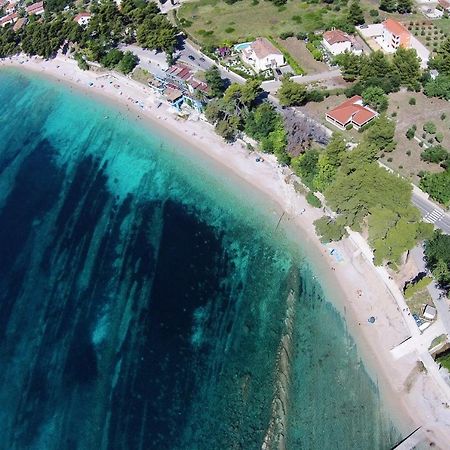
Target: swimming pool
{"points": [[242, 46]]}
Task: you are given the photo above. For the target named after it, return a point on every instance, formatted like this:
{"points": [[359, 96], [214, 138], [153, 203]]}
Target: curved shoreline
{"points": [[374, 342]]}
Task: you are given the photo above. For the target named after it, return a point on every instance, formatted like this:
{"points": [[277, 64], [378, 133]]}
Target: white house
{"points": [[36, 9], [395, 35], [261, 54], [337, 42], [82, 18], [10, 18]]}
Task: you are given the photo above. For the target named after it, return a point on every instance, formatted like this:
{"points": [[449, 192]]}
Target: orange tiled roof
{"points": [[352, 111]]}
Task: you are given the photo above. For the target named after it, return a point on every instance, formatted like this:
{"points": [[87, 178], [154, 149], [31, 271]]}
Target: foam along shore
{"points": [[356, 288]]}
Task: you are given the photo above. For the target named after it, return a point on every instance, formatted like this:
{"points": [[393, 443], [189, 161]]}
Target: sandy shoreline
{"points": [[411, 395]]}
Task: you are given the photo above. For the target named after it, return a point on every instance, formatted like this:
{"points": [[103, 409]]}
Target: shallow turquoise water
{"points": [[143, 302]]}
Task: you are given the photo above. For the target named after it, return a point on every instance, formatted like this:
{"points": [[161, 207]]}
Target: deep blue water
{"points": [[143, 302]]}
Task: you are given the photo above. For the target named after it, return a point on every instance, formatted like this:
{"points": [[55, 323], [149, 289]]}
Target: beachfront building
{"points": [[36, 9], [351, 113], [10, 18], [82, 18], [261, 54], [337, 42]]}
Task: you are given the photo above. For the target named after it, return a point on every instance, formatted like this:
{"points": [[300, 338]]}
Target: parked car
{"points": [[191, 57], [202, 59], [278, 72]]}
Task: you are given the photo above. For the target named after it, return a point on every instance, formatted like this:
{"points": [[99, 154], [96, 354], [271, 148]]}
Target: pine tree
{"points": [[388, 5], [404, 6], [355, 14]]}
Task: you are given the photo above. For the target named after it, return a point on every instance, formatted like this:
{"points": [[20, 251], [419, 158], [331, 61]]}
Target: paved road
{"points": [[431, 212], [273, 85]]}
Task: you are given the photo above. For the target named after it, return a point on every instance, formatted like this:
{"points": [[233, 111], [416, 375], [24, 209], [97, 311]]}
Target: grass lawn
{"points": [[214, 22], [425, 109], [297, 49], [418, 301]]}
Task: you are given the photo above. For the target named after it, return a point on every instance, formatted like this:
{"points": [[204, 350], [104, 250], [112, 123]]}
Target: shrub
{"points": [[408, 152], [389, 159], [313, 200], [412, 101], [229, 30], [439, 137], [374, 13], [297, 19], [429, 127], [286, 35], [443, 116], [394, 114], [410, 133]]}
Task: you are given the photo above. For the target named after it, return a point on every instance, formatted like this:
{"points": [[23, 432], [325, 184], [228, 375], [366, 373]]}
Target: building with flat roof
{"points": [[351, 112]]}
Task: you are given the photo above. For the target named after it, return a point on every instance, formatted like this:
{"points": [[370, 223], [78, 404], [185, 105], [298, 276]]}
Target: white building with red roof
{"points": [[82, 18], [10, 18], [36, 9], [261, 54], [351, 112], [337, 42]]}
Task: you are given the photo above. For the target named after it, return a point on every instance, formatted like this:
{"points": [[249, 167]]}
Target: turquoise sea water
{"points": [[143, 303]]}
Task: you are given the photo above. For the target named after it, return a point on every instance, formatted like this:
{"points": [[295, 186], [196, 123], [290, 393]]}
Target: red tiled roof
{"points": [[335, 36], [444, 3], [352, 111], [35, 7], [395, 27], [81, 15], [6, 19]]}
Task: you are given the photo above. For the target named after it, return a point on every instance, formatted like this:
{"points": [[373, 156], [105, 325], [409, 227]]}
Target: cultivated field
{"points": [[427, 32]]}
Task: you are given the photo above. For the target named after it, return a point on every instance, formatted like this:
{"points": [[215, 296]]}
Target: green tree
{"points": [[441, 60], [112, 58], [439, 87], [329, 162], [375, 97], [262, 121], [388, 5], [216, 84], [350, 65], [429, 127], [381, 134], [355, 13], [437, 257], [407, 65], [435, 154], [291, 93], [437, 185], [404, 6], [330, 229], [305, 166], [128, 62]]}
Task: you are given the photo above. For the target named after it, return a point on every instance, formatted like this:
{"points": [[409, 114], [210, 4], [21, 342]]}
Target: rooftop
{"points": [[335, 36], [352, 110], [263, 48], [395, 27], [173, 94]]}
